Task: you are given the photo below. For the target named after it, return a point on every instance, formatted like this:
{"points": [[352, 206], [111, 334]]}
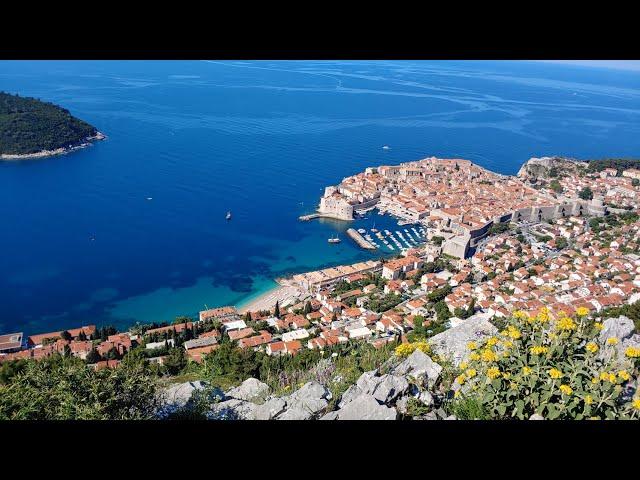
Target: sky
{"points": [[617, 64]]}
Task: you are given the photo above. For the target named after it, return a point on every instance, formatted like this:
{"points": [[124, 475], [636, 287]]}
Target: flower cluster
{"points": [[406, 349], [549, 365]]}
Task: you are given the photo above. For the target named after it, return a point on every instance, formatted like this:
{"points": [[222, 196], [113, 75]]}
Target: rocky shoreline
{"points": [[87, 142]]}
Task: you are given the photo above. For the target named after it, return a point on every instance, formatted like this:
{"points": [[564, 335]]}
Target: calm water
{"points": [[260, 139]]}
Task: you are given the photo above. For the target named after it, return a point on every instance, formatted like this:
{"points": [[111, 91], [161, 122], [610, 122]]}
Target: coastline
{"points": [[282, 293], [87, 142]]}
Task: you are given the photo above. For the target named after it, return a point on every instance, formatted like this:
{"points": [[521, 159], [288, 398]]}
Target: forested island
{"points": [[31, 128]]}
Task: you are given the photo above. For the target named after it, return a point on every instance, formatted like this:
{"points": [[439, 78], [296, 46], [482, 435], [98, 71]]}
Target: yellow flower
{"points": [[598, 326], [514, 332], [456, 394], [612, 341], [624, 375], [592, 347], [506, 375], [472, 345], [555, 373], [582, 311], [636, 403], [566, 389], [461, 378], [471, 372], [588, 399], [566, 324], [492, 341], [632, 352], [595, 380], [424, 347], [474, 356], [488, 356], [604, 376], [464, 365], [405, 349], [526, 371], [520, 315], [507, 344], [612, 377], [513, 385], [552, 336], [542, 317], [493, 372], [538, 350]]}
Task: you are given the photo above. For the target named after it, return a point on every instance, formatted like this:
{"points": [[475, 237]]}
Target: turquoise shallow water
{"points": [[261, 139]]}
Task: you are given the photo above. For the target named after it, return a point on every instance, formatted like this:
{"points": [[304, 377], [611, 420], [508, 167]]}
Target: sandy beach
{"points": [[283, 294]]}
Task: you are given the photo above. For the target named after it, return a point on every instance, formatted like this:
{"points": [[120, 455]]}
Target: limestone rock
{"points": [[180, 396], [419, 366], [384, 388], [233, 409], [452, 343], [270, 409], [307, 402], [536, 416], [366, 407], [250, 390], [620, 327]]}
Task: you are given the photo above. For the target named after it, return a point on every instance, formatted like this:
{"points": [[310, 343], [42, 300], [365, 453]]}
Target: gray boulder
{"points": [[366, 407], [233, 409], [330, 416], [307, 402], [426, 398], [536, 416], [270, 409], [419, 366], [250, 390], [452, 343], [620, 327], [384, 388], [181, 395]]}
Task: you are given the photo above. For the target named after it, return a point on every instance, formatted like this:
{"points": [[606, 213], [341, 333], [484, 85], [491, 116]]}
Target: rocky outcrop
{"points": [[250, 390], [364, 407], [233, 409], [536, 168], [306, 403], [420, 367], [182, 395], [452, 343], [622, 329]]}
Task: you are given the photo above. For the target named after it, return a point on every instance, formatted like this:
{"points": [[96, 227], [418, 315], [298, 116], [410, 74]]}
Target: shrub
{"points": [[549, 366]]}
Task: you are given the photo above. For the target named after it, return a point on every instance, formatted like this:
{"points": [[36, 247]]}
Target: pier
{"points": [[360, 240], [311, 216]]}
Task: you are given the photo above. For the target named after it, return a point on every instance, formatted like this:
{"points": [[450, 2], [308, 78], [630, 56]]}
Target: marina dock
{"points": [[360, 240]]}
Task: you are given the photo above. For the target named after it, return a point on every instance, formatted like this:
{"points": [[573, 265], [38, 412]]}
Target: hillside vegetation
{"points": [[28, 125]]}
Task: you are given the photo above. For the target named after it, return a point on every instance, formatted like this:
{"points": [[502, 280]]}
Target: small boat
{"points": [[149, 198], [362, 230], [334, 240], [385, 147], [228, 217]]}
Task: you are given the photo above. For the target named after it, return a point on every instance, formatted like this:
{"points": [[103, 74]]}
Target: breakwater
{"points": [[360, 240]]}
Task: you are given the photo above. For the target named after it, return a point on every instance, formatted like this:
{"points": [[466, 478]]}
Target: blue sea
{"points": [[80, 243]]}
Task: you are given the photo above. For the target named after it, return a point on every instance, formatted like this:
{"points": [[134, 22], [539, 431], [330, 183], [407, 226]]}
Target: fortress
{"points": [[455, 196]]}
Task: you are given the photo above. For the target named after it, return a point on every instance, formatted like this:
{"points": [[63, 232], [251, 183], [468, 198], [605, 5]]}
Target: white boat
{"points": [[362, 230], [228, 217], [334, 240], [385, 147]]}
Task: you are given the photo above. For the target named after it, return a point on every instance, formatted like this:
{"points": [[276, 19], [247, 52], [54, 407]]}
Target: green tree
{"points": [[65, 335], [176, 361], [93, 356], [586, 193], [276, 311]]}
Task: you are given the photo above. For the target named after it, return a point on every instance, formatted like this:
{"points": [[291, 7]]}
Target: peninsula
{"points": [[31, 128]]}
